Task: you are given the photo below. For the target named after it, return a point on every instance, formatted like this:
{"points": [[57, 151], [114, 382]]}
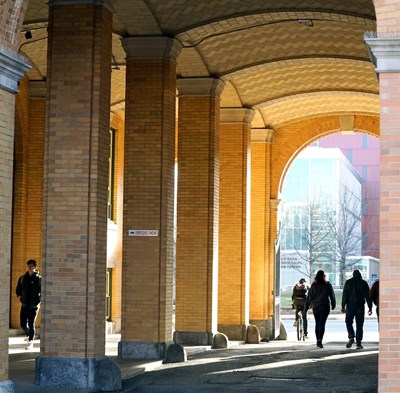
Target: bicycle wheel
{"points": [[299, 328]]}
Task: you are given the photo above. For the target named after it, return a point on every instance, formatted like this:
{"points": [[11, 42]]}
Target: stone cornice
{"points": [[236, 115], [151, 48], [386, 51], [208, 87], [109, 4], [262, 135], [12, 68]]}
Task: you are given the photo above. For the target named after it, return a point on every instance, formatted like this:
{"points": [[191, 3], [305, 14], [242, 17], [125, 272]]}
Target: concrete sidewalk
{"points": [[330, 369]]}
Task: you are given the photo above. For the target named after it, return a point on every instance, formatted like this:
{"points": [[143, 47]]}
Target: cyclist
{"points": [[299, 297]]}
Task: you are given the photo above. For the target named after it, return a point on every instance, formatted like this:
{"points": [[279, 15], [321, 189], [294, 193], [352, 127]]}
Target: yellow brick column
{"points": [[148, 232], [234, 222], [197, 221], [75, 198], [262, 272], [387, 54], [12, 68], [28, 185]]}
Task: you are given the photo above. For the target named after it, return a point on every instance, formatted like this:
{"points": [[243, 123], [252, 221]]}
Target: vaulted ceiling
{"points": [[288, 60]]}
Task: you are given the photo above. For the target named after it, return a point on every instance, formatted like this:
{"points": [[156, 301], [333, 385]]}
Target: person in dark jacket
{"points": [[355, 294], [374, 295], [299, 297], [29, 291], [321, 297]]}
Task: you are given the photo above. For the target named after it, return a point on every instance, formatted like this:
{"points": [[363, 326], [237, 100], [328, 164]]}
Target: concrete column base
{"points": [[100, 373], [193, 338], [134, 350], [7, 386], [266, 328], [233, 332]]}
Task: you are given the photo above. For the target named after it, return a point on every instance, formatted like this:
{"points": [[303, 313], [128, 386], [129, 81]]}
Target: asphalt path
{"points": [[282, 366]]}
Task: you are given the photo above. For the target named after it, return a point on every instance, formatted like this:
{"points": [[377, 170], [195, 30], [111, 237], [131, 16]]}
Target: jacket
{"points": [[321, 294], [356, 293], [29, 289], [299, 294]]}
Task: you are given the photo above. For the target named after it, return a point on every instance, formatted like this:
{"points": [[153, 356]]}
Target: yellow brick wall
{"points": [[7, 109], [233, 259], [198, 177]]}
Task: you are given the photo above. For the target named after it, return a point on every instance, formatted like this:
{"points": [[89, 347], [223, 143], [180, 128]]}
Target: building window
{"points": [[108, 294]]}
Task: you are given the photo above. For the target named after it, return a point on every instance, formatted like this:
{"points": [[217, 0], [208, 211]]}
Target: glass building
{"points": [[321, 190]]}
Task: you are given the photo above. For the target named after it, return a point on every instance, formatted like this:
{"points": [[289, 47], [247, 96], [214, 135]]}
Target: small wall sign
{"points": [[142, 232]]}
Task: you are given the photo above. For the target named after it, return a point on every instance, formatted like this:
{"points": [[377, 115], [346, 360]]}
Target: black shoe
{"points": [[319, 344], [350, 343], [359, 346]]}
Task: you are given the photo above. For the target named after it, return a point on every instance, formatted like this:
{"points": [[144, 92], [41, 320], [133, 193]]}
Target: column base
{"points": [[101, 373], [135, 350], [266, 328], [7, 386], [233, 332], [193, 338]]}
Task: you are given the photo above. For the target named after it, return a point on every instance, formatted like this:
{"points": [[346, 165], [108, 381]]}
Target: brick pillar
{"points": [[75, 197], [12, 68], [28, 185], [387, 54], [197, 221], [261, 256], [234, 223], [147, 283]]}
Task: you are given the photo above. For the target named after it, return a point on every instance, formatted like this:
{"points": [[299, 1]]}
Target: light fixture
{"points": [[28, 34]]}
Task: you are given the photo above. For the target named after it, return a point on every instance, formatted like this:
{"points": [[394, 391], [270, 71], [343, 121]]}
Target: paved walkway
{"points": [[276, 366]]}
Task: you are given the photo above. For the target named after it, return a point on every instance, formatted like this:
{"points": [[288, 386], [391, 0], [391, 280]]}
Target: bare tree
{"points": [[310, 233], [345, 233]]}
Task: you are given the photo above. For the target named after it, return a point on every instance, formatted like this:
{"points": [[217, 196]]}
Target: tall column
{"points": [[198, 203], [387, 54], [261, 255], [148, 232], [12, 68], [234, 222], [75, 198]]}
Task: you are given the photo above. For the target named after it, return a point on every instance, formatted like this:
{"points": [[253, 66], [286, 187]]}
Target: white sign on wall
{"points": [[142, 232]]}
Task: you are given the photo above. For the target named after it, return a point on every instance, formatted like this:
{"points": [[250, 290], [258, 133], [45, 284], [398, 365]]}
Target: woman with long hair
{"points": [[321, 298]]}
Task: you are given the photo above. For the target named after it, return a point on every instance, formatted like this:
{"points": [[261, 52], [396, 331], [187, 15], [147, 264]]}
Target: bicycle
{"points": [[299, 326]]}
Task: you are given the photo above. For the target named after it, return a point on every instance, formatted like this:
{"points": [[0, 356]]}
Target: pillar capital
{"points": [[274, 204], [262, 135], [206, 87], [385, 53], [106, 3], [151, 48], [236, 115], [12, 69]]}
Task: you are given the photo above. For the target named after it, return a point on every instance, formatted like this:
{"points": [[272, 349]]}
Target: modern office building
{"points": [[319, 183], [363, 152]]}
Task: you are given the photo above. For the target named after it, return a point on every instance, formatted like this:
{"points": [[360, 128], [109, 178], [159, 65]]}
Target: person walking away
{"points": [[374, 295], [321, 297], [28, 291], [355, 294], [299, 297]]}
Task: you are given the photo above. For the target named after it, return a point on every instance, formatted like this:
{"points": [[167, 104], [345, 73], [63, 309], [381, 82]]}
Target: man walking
{"points": [[355, 294], [29, 291]]}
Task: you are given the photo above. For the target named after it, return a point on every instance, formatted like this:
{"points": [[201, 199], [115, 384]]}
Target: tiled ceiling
{"points": [[288, 60]]}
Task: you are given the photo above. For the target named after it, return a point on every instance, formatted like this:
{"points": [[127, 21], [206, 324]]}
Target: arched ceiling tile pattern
{"points": [[238, 50], [304, 106], [285, 78], [179, 15]]}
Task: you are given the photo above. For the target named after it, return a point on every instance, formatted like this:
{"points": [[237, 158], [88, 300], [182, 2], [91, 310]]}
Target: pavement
{"points": [[282, 366]]}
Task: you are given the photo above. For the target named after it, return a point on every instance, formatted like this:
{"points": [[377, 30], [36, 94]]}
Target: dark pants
{"points": [[27, 320], [321, 315], [304, 315], [358, 313]]}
